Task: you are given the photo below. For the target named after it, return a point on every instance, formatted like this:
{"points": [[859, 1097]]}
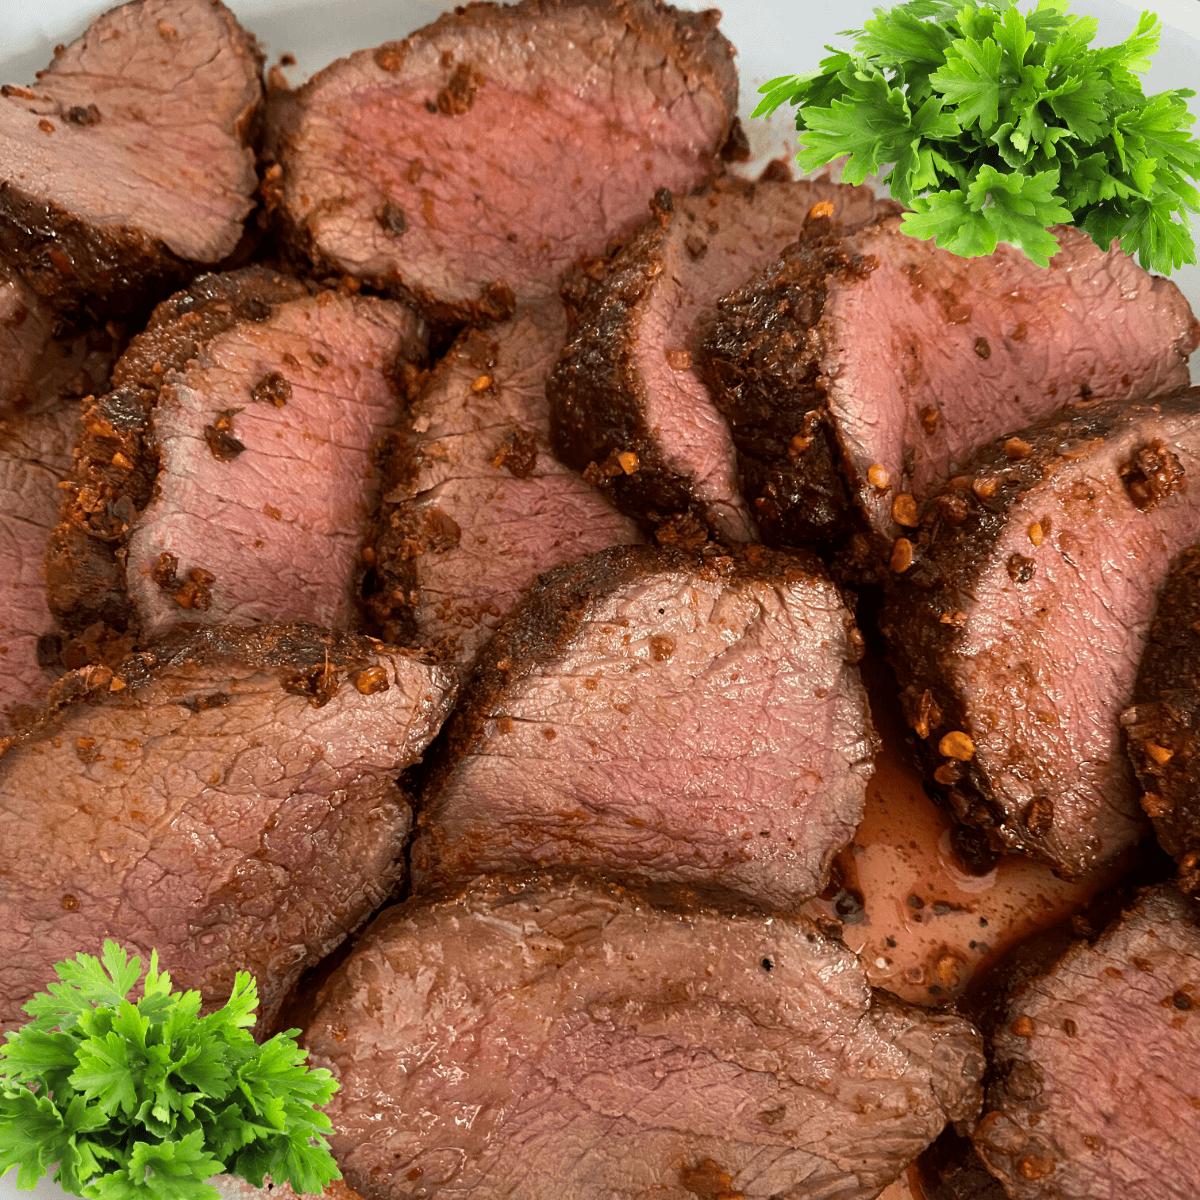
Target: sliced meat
{"points": [[115, 465], [658, 715], [35, 454], [471, 163], [570, 1040], [628, 381], [476, 505], [36, 366], [164, 95], [1162, 728], [265, 479], [860, 370], [1096, 1094], [1021, 612], [231, 466], [226, 798]]}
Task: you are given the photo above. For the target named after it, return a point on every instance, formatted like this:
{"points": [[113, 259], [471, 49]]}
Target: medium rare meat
{"points": [[226, 797], [476, 505], [1096, 1094], [265, 478], [164, 94], [1021, 611], [547, 1040], [1162, 726], [862, 368], [35, 454], [232, 463], [663, 716], [628, 381], [467, 166]]}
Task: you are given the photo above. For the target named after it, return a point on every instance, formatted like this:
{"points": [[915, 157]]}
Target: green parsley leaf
{"points": [[148, 1100], [998, 123]]}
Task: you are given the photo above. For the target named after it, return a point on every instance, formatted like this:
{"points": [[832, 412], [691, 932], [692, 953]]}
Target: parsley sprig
{"points": [[999, 125], [147, 1101]]}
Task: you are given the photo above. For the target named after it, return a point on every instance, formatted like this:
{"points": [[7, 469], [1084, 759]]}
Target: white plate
{"points": [[774, 37]]}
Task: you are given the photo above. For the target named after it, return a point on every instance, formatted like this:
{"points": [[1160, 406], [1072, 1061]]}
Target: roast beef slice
{"points": [[1161, 726], [467, 166], [1096, 1090], [570, 1040], [476, 504], [226, 798], [35, 454], [266, 476], [628, 382], [1021, 613], [313, 380], [128, 162], [660, 716], [862, 369]]}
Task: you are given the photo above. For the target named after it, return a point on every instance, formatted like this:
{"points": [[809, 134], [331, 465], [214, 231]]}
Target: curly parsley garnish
{"points": [[147, 1101], [999, 125]]}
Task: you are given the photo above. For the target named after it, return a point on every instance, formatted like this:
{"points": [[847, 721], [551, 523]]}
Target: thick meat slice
{"points": [[861, 370], [471, 163], [233, 460], [36, 366], [227, 798], [628, 381], [1021, 612], [568, 1039], [661, 716], [265, 478], [1162, 727], [1096, 1094], [476, 505], [128, 162]]}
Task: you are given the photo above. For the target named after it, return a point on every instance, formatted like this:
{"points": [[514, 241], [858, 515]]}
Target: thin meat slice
{"points": [[1021, 613], [628, 382], [229, 475], [266, 478], [35, 454], [476, 505], [860, 370], [538, 1039], [661, 716], [1096, 1091], [1162, 725], [226, 798], [129, 162], [467, 166], [116, 466]]}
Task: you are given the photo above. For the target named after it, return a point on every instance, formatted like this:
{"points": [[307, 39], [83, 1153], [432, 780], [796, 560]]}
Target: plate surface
{"points": [[773, 37]]}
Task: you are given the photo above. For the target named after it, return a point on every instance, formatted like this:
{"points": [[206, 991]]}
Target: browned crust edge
{"points": [[1162, 725]]}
